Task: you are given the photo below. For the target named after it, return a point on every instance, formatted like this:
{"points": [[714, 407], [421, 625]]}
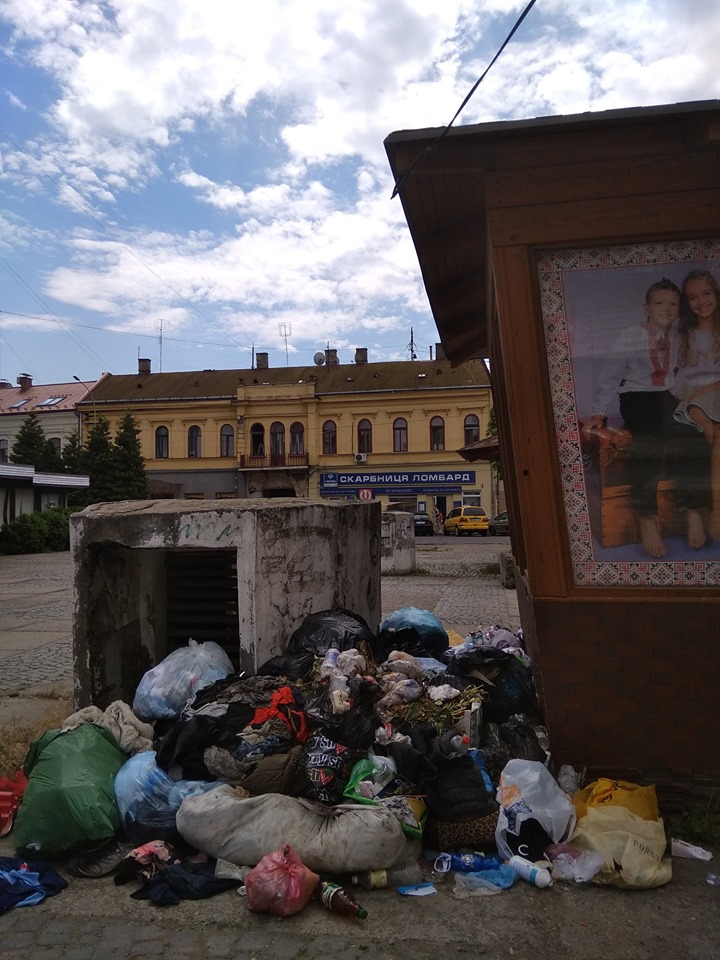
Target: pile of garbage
{"points": [[383, 760]]}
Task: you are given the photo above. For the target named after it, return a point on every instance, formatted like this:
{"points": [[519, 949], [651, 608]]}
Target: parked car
{"points": [[423, 525], [466, 521], [500, 525]]}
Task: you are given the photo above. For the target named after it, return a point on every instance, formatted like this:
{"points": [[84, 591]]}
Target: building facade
{"points": [[387, 431], [22, 488]]}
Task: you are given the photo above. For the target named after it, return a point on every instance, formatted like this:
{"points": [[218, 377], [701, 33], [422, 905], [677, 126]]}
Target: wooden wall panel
{"points": [[532, 435]]}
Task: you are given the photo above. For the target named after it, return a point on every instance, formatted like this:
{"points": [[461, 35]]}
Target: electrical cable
{"points": [[400, 183]]}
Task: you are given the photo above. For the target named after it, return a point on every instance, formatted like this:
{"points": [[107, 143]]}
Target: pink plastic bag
{"points": [[280, 883]]}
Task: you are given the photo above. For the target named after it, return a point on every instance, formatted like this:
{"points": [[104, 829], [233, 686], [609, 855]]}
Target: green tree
{"points": [[50, 460], [129, 461], [74, 455], [492, 423], [101, 464], [29, 446]]}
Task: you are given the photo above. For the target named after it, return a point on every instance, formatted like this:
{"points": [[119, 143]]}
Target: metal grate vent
{"points": [[202, 600]]}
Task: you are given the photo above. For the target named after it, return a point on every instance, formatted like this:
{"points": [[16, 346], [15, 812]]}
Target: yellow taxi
{"points": [[466, 521]]}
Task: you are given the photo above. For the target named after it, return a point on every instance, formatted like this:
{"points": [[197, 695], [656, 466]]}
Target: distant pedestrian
{"points": [[438, 519]]}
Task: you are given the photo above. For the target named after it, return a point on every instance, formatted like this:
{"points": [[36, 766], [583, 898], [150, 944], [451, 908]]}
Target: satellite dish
{"points": [[319, 359]]}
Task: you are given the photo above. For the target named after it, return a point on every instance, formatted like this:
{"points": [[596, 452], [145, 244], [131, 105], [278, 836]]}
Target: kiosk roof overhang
{"points": [[445, 202]]}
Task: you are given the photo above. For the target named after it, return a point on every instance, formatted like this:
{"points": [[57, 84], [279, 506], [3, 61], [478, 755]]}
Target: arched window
{"points": [[297, 438], [437, 433], [472, 429], [329, 437], [257, 440], [227, 441], [4, 449], [277, 440], [364, 436], [400, 439], [194, 442], [57, 443], [162, 443]]}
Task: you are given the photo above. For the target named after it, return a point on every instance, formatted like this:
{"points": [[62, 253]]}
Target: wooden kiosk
{"points": [[537, 242]]}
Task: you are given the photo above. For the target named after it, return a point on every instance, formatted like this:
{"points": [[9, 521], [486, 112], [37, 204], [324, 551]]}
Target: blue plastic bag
{"points": [[430, 630], [148, 799]]}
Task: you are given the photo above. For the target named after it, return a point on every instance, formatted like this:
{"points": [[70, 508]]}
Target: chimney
{"points": [[440, 352], [361, 355], [331, 358], [143, 366], [5, 385], [24, 382], [262, 361]]}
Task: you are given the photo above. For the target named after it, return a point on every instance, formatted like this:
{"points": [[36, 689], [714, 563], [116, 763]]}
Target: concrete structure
{"points": [[397, 543], [334, 431], [149, 575]]}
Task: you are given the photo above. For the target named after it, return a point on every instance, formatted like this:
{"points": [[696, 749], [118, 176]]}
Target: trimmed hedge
{"points": [[47, 532]]}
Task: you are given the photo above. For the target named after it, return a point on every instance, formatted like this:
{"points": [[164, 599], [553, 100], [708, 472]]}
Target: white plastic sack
{"points": [[346, 838], [528, 791], [167, 687]]}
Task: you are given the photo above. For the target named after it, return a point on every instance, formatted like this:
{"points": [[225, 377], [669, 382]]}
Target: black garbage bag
{"points": [[515, 739], [292, 667], [334, 628], [354, 728], [521, 740], [512, 689], [325, 768], [408, 640]]}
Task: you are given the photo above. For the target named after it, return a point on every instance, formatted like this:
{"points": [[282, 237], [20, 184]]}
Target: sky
{"points": [[195, 182]]}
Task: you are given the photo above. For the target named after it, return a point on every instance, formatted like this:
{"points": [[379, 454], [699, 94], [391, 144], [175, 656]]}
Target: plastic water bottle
{"points": [[329, 661], [467, 862], [538, 876]]}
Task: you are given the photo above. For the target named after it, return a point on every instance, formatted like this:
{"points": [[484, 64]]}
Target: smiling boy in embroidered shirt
{"points": [[641, 371]]}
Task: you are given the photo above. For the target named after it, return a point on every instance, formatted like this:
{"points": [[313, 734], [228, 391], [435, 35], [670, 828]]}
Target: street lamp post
{"points": [[92, 401]]}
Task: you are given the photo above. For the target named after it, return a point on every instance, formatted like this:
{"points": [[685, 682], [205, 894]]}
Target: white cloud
{"points": [[265, 123]]}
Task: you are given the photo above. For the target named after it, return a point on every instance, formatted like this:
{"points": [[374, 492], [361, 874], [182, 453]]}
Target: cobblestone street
{"points": [[95, 920]]}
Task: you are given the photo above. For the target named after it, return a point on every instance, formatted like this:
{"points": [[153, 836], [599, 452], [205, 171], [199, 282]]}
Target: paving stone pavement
{"points": [[95, 920], [36, 604]]}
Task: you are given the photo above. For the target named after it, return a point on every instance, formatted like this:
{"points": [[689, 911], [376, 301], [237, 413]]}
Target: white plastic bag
{"points": [[166, 688], [528, 791]]}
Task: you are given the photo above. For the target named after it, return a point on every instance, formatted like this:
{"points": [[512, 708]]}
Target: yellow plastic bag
{"points": [[642, 801], [633, 848]]}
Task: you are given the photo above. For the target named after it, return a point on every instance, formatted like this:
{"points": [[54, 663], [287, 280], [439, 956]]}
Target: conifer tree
{"points": [[73, 455], [101, 464], [50, 459], [29, 446], [130, 464]]}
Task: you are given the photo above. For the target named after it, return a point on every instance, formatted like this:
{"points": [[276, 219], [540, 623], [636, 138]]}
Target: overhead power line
{"points": [[404, 178]]}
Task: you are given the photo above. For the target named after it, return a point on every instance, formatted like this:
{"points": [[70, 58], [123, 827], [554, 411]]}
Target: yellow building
{"points": [[389, 431]]}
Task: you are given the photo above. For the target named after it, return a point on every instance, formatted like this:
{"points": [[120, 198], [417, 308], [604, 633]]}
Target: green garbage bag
{"points": [[69, 801]]}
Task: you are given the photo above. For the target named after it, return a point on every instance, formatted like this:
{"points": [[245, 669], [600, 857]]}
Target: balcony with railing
{"points": [[285, 461]]}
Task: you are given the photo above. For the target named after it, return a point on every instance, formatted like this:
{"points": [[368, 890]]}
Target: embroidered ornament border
{"points": [[550, 268]]}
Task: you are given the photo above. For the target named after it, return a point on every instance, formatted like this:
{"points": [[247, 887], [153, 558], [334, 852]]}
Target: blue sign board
{"points": [[406, 483]]}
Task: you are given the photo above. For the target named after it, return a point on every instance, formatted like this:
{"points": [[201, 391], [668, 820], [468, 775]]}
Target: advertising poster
{"points": [[632, 337]]}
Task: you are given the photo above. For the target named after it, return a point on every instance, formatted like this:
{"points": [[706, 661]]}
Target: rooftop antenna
{"points": [[285, 332], [252, 358], [411, 345]]}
